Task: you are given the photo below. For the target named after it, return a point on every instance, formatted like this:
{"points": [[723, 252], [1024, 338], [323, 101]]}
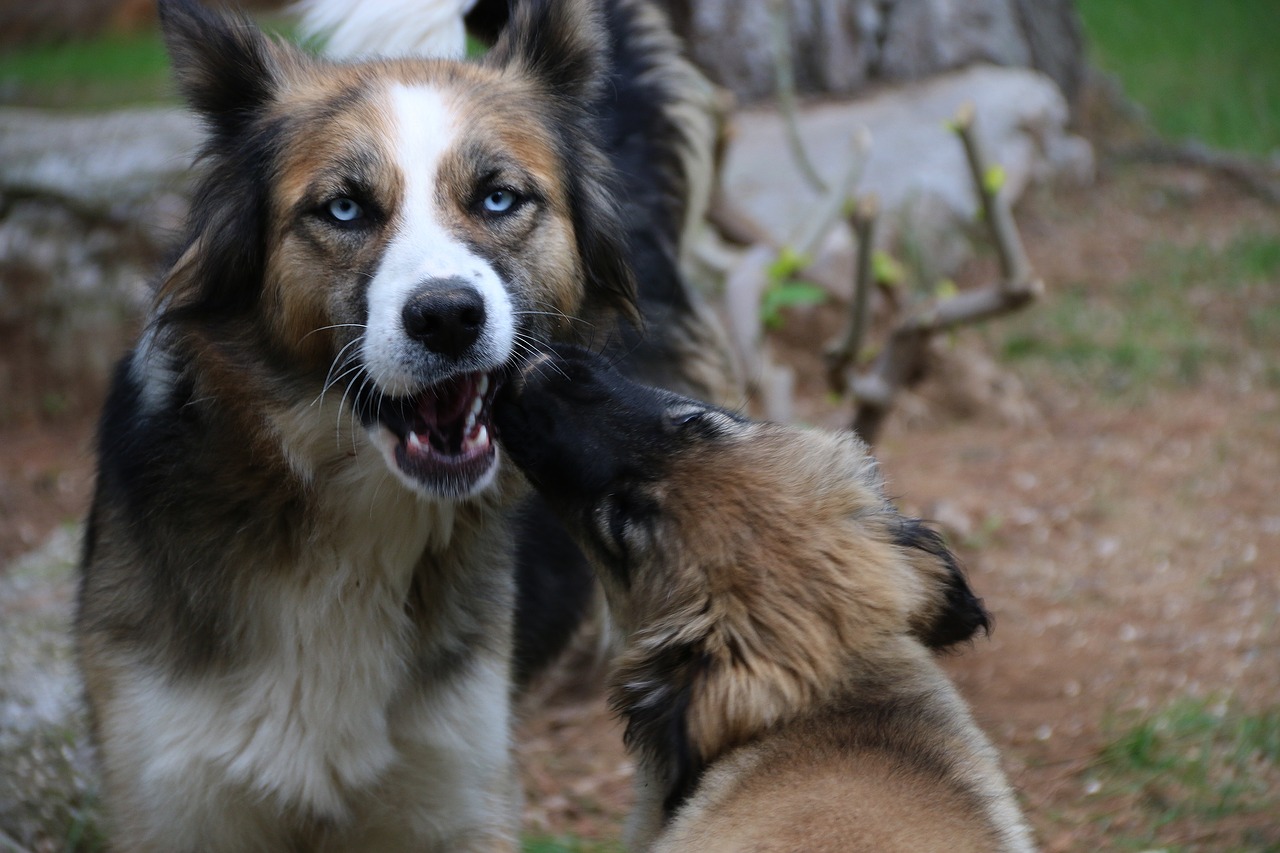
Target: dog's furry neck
{"points": [[694, 690], [732, 637]]}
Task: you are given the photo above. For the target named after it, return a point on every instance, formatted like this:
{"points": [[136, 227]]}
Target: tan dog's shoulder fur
{"points": [[777, 678]]}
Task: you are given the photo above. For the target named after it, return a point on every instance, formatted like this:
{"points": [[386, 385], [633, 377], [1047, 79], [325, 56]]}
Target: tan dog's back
{"points": [[821, 808], [862, 776]]}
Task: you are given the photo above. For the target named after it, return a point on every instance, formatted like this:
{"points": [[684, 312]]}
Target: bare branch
{"points": [[862, 221], [1254, 176], [971, 306], [777, 390], [1014, 266], [897, 366], [785, 85], [836, 203], [902, 360], [732, 223], [743, 289]]}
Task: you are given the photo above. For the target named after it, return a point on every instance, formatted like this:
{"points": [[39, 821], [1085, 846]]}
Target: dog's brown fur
{"points": [[776, 611]]}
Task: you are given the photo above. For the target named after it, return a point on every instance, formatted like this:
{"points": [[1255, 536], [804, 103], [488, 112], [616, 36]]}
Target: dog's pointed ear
{"points": [[952, 613], [224, 65], [230, 73], [562, 43]]}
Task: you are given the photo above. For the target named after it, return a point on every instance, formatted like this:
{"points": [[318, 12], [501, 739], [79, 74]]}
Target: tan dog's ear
{"points": [[952, 613]]}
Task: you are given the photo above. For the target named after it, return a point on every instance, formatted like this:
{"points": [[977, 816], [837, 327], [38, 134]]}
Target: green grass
{"points": [[112, 57], [1188, 309], [109, 71], [1201, 774], [1203, 69]]}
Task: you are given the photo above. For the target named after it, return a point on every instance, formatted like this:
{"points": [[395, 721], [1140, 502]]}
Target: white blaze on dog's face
{"points": [[426, 270]]}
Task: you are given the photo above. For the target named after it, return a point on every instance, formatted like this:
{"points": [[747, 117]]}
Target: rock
{"points": [[47, 780], [88, 207], [112, 165], [916, 165]]}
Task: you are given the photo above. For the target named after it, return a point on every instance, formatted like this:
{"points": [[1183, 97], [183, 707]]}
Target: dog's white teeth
{"points": [[482, 438], [470, 424], [414, 441], [476, 405], [482, 387]]}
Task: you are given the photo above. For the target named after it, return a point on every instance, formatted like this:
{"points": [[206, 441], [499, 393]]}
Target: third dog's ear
{"points": [[952, 613], [563, 43], [226, 68]]}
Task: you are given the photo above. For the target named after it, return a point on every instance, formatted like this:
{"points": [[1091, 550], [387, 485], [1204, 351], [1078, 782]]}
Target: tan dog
{"points": [[776, 676]]}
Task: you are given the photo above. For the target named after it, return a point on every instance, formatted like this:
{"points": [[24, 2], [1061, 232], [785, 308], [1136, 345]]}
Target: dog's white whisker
{"points": [[559, 315], [342, 363], [332, 327], [363, 377]]}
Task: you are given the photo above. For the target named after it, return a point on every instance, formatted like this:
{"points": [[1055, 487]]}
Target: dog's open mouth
{"points": [[443, 435]]}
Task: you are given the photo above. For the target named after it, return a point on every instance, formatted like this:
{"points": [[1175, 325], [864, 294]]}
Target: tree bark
{"points": [[842, 46]]}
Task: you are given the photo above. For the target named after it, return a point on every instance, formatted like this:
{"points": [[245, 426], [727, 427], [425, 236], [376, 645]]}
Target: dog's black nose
{"points": [[446, 315]]}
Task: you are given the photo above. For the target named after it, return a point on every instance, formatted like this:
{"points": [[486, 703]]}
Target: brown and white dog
{"points": [[295, 618], [778, 619]]}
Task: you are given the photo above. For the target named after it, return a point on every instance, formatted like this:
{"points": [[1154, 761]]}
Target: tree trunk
{"points": [[1056, 39], [841, 46]]}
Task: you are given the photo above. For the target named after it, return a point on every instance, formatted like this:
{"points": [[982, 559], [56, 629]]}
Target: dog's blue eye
{"points": [[500, 201], [344, 209]]}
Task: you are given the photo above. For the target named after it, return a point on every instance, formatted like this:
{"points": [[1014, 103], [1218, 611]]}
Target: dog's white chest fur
{"points": [[326, 720], [308, 718]]}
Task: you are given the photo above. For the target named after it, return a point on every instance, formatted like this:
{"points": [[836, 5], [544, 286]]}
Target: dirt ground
{"points": [[1127, 545]]}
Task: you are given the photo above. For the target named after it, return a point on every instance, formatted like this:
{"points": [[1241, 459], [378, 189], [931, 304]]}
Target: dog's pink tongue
{"points": [[448, 402]]}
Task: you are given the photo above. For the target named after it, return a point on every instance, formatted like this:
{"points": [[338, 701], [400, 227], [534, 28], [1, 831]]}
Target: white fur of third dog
{"points": [[351, 29]]}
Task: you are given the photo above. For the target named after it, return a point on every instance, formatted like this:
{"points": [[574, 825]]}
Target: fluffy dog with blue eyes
{"points": [[295, 618], [778, 617]]}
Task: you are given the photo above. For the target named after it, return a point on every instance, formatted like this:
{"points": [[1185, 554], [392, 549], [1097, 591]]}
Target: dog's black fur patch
{"points": [[653, 699], [963, 613], [229, 205], [554, 585]]}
